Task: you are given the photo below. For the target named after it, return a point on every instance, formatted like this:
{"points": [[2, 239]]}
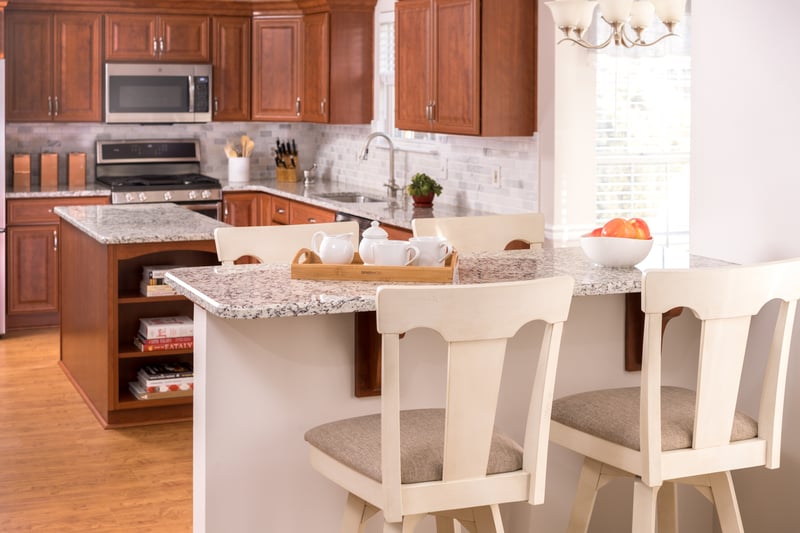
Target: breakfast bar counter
{"points": [[274, 357]]}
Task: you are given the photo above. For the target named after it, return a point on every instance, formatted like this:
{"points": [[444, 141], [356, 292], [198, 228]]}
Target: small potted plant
{"points": [[422, 189]]}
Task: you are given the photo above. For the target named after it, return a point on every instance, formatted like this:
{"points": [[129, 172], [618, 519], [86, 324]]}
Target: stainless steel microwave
{"points": [[157, 93]]}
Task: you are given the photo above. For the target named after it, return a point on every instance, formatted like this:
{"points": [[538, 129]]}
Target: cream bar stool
{"points": [[662, 435], [449, 462], [274, 244], [487, 233]]}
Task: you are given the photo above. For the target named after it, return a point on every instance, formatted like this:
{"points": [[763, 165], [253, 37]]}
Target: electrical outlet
{"points": [[496, 177], [443, 168]]}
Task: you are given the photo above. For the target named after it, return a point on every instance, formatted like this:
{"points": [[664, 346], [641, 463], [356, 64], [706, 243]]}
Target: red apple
{"points": [[596, 232], [618, 227], [641, 227]]}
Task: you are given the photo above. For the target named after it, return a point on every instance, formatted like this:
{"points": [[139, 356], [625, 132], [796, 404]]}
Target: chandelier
{"points": [[573, 18]]}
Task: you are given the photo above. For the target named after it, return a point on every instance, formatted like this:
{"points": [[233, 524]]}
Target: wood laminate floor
{"points": [[61, 472]]}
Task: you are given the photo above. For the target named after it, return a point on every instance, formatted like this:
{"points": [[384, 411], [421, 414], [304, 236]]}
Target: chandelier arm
{"points": [[644, 44], [587, 44]]}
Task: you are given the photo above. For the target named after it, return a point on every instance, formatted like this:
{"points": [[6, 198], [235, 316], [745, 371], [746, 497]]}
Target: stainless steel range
{"points": [[157, 171]]}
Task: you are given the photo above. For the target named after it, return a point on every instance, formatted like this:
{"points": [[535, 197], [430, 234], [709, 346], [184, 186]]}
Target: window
{"points": [[384, 112], [642, 134]]}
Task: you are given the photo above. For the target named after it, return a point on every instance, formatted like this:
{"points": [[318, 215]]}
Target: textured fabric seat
{"points": [[661, 435], [356, 442], [449, 462], [613, 415]]}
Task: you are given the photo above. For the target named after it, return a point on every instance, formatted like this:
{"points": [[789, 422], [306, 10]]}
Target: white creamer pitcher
{"points": [[334, 249]]}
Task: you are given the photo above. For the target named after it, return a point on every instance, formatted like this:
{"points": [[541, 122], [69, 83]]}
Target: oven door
{"points": [[209, 209]]}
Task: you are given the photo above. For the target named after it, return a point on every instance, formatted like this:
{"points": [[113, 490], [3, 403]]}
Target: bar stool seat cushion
{"points": [[613, 415], [356, 442]]}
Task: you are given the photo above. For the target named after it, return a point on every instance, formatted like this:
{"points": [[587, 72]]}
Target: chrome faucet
{"points": [[391, 185]]}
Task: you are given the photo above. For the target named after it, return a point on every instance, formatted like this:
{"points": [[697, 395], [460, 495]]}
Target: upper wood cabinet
{"points": [[277, 68], [54, 67], [338, 64], [149, 37], [230, 40], [465, 70]]}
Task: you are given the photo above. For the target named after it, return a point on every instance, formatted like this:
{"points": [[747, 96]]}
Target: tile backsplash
{"points": [[490, 174]]}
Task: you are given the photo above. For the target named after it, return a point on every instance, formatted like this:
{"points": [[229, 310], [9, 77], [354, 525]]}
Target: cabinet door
{"points": [[316, 71], [78, 75], [185, 39], [277, 61], [231, 60], [29, 66], [413, 65], [456, 73], [131, 37], [241, 209], [32, 270]]}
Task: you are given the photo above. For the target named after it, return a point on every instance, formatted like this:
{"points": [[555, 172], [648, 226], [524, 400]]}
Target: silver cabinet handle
{"points": [[280, 211], [216, 105], [161, 45], [297, 106], [322, 106], [312, 220], [49, 106], [55, 240], [433, 110], [55, 106], [225, 212], [155, 46]]}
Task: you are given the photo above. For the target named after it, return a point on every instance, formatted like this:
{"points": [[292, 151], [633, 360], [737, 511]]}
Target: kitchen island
{"points": [[103, 250], [274, 357]]}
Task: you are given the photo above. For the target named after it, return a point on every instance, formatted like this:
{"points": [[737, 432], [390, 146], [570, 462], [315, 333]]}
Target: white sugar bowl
{"points": [[370, 236]]}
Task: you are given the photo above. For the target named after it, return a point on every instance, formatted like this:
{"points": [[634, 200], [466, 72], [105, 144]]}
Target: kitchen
{"points": [[734, 199]]}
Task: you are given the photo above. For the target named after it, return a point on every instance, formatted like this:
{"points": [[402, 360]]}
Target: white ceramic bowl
{"points": [[616, 251]]}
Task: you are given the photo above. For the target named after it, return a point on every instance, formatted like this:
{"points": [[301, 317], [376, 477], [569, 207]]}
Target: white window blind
{"points": [[385, 68], [643, 126]]}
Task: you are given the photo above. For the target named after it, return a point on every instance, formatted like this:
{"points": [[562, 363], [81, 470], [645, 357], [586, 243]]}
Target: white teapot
{"points": [[370, 236], [334, 249]]}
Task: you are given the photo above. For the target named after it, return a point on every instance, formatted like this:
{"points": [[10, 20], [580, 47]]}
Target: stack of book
{"points": [[163, 380], [165, 333], [152, 283]]}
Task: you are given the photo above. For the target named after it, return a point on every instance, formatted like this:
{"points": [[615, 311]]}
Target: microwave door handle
{"points": [[191, 94]]}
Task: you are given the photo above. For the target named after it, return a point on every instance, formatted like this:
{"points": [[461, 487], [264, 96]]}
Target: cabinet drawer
{"points": [[309, 214], [40, 210], [280, 210]]}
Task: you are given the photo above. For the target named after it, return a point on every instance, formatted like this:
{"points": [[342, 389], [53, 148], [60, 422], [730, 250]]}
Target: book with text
{"points": [[166, 326], [140, 393]]}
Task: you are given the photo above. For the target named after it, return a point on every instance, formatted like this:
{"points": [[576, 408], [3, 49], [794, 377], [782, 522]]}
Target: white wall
{"points": [[746, 188]]}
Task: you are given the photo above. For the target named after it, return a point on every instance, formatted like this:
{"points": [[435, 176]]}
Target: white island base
{"points": [[262, 383]]}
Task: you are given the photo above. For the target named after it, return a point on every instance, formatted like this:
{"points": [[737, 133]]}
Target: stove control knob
{"points": [[206, 194], [167, 196], [192, 195], [142, 197], [129, 197]]}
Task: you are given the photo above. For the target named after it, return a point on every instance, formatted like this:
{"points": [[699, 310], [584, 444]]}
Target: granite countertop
{"points": [[267, 291], [400, 217], [142, 223]]}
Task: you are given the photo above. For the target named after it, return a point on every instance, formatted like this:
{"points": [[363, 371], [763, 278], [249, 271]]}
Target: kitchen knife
{"points": [[294, 148]]}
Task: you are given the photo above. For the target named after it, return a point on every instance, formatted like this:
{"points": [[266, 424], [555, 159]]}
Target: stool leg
{"points": [[585, 495], [644, 507], [725, 501], [356, 514], [445, 524], [668, 508]]}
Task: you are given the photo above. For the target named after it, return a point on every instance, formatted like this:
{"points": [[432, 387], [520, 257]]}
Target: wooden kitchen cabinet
{"points": [[102, 305], [338, 64], [245, 208], [230, 38], [461, 69], [277, 68], [53, 66], [154, 37], [301, 213], [32, 260]]}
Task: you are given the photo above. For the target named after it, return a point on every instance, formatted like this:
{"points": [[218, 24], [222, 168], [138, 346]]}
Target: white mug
{"points": [[433, 250], [333, 249], [394, 253]]}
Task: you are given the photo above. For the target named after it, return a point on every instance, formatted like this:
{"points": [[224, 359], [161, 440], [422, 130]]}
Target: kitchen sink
{"points": [[350, 197]]}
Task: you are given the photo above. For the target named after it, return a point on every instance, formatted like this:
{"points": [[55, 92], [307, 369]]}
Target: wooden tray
{"points": [[307, 265]]}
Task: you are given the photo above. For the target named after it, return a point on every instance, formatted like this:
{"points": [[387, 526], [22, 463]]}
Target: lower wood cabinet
{"points": [[245, 208], [32, 260]]}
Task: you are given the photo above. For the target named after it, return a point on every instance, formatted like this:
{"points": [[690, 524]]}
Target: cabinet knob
{"points": [[280, 211], [312, 220]]}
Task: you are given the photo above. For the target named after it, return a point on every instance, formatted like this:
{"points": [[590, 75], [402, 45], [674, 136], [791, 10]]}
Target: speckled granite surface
{"points": [[125, 224], [62, 191], [265, 291]]}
